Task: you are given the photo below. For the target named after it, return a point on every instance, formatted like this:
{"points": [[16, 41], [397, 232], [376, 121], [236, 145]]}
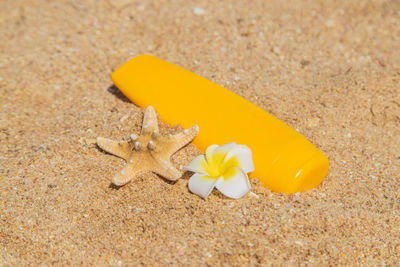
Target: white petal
{"points": [[236, 183], [242, 154], [210, 151], [225, 148], [198, 165], [202, 185], [216, 154]]}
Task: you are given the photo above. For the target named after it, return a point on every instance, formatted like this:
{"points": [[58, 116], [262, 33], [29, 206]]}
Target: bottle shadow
{"points": [[117, 93]]}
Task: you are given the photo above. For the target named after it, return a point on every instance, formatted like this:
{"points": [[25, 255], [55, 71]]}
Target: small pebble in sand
{"points": [[251, 194], [330, 23], [123, 118], [276, 50], [313, 122], [199, 11], [298, 242]]}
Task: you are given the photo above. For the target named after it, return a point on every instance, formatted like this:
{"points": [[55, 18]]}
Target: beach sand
{"points": [[329, 69]]}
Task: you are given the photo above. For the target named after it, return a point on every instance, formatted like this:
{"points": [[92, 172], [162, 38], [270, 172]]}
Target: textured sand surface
{"points": [[330, 69]]}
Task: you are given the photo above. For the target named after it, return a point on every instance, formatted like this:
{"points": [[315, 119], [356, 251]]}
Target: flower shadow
{"points": [[221, 196]]}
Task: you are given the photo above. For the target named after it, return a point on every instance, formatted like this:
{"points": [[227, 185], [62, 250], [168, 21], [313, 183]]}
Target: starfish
{"points": [[149, 151]]}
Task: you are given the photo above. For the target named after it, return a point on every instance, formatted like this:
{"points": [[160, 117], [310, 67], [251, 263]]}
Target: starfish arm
{"points": [[165, 169], [181, 139], [125, 175], [119, 149], [150, 123]]}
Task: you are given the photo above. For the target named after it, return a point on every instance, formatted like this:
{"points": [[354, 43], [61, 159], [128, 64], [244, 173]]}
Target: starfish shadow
{"points": [[114, 187], [117, 93], [102, 150], [166, 180], [186, 175]]}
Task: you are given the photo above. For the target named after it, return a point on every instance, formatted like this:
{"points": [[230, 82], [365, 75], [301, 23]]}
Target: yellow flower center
{"points": [[216, 167]]}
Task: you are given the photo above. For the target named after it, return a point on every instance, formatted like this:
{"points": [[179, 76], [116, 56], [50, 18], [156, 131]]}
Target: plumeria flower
{"points": [[224, 167]]}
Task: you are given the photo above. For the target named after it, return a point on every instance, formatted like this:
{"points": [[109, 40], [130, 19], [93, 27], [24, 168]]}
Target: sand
{"points": [[330, 69]]}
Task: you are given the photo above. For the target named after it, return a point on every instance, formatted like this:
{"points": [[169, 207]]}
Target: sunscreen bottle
{"points": [[284, 160]]}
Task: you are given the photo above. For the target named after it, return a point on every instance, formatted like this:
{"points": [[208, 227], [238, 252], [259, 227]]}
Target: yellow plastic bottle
{"points": [[284, 160]]}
